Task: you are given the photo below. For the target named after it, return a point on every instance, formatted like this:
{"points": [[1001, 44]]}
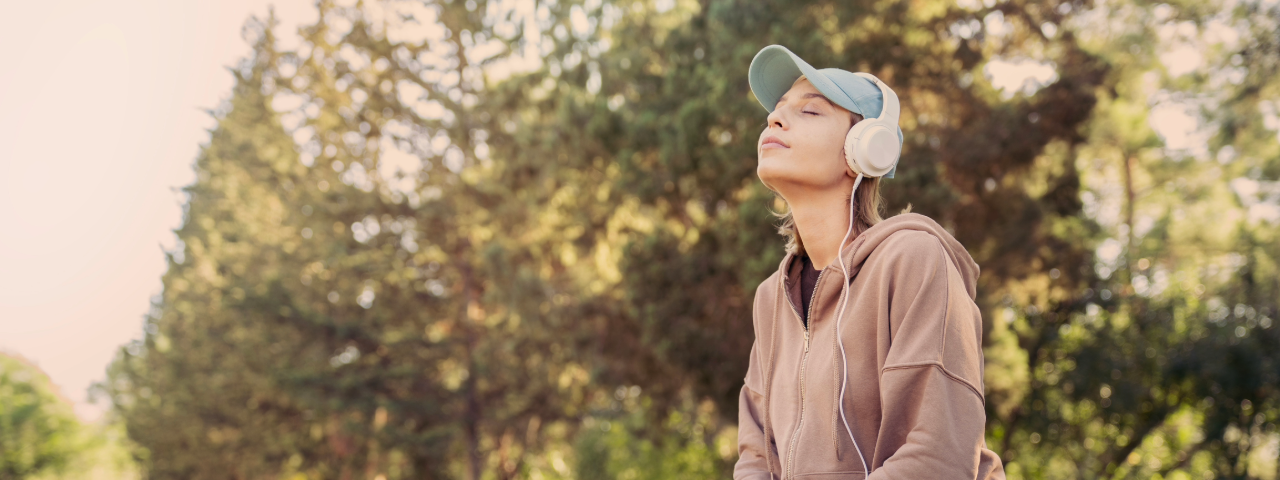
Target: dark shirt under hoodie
{"points": [[808, 279]]}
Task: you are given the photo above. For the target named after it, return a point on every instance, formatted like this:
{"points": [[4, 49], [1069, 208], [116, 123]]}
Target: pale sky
{"points": [[101, 117]]}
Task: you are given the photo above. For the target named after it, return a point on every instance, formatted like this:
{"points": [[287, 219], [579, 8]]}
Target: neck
{"points": [[822, 219]]}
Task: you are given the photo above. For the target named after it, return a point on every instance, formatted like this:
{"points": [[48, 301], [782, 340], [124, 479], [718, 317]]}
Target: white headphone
{"points": [[871, 148]]}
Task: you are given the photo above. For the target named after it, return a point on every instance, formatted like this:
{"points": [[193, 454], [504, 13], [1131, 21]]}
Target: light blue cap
{"points": [[774, 69]]}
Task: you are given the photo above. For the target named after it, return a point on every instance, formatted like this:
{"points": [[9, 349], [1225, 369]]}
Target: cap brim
{"points": [[774, 69]]}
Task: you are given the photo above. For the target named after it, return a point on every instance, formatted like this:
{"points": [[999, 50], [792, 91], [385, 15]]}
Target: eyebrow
{"points": [[811, 95]]}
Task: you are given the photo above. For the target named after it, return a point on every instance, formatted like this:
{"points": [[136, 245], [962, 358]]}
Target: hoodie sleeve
{"points": [[752, 463], [754, 456], [933, 413]]}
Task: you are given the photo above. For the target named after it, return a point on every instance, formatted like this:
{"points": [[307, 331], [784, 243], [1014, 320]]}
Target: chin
{"points": [[778, 173], [781, 175]]}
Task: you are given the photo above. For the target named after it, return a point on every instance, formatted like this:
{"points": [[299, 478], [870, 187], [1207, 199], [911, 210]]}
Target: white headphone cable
{"points": [[844, 301]]}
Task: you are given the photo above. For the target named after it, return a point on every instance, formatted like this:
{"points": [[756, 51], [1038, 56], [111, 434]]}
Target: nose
{"points": [[776, 118]]}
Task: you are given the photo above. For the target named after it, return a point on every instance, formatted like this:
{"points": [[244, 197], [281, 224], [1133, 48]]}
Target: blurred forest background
{"points": [[518, 239]]}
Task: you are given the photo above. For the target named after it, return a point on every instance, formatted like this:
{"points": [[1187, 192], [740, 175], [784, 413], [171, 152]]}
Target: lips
{"points": [[773, 142]]}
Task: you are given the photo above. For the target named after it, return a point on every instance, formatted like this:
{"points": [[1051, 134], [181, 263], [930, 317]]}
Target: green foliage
{"points": [[1164, 365], [435, 238], [39, 433], [619, 441], [103, 453]]}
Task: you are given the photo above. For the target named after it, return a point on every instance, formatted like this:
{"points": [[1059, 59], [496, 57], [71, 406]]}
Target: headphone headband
{"points": [[891, 109]]}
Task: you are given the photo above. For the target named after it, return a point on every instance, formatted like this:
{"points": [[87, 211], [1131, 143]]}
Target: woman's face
{"points": [[802, 147]]}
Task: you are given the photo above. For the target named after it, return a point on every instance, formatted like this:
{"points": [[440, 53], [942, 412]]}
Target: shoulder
{"points": [[908, 241], [767, 287], [909, 251], [764, 307]]}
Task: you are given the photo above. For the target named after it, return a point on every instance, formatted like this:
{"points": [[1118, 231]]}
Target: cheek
{"points": [[825, 144], [824, 153], [835, 137], [834, 144]]}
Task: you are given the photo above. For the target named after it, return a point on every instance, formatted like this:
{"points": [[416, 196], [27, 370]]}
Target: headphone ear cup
{"points": [[878, 148], [871, 148]]}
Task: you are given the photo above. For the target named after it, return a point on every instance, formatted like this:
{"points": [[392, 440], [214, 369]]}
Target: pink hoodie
{"points": [[912, 337]]}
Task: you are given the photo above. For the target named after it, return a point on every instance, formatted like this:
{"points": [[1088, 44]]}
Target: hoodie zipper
{"points": [[804, 360]]}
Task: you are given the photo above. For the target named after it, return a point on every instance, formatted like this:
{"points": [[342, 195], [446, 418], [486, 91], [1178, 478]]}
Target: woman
{"points": [[867, 359]]}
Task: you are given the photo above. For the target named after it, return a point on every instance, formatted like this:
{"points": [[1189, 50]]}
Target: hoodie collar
{"points": [[856, 253]]}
